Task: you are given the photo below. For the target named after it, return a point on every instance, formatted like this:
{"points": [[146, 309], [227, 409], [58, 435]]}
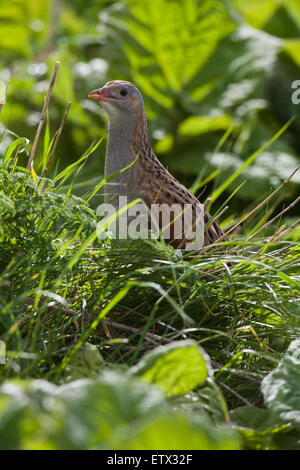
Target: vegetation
{"points": [[138, 345]]}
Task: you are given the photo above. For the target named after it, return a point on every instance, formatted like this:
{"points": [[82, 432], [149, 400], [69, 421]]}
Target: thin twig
{"points": [[220, 214], [51, 305], [277, 236], [131, 348], [268, 241], [106, 329], [286, 248], [15, 157], [150, 336], [290, 229], [255, 209], [236, 394], [275, 218], [43, 116], [55, 143], [202, 192], [213, 220]]}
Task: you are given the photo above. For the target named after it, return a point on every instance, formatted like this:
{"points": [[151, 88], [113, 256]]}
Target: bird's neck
{"points": [[127, 138]]}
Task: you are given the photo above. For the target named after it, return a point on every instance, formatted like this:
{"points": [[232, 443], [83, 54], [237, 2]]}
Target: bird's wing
{"points": [[162, 188]]}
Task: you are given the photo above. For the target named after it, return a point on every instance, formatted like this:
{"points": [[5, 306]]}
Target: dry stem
{"points": [[43, 116], [55, 142], [255, 209]]}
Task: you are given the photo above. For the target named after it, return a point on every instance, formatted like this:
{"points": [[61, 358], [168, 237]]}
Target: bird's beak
{"points": [[102, 94]]}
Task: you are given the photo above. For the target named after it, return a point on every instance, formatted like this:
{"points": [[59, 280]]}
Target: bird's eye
{"points": [[123, 92]]}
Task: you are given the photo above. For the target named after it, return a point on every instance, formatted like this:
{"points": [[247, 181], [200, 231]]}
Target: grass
{"points": [[62, 290]]}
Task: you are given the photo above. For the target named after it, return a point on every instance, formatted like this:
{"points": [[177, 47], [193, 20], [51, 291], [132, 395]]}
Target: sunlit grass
{"points": [[63, 288], [59, 282]]}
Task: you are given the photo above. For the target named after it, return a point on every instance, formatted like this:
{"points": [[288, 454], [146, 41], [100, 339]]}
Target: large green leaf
{"points": [[249, 11], [178, 433], [20, 144], [281, 388], [113, 411], [177, 367], [82, 414], [261, 429], [172, 40]]}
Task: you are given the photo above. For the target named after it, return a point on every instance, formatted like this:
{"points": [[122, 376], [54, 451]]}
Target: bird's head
{"points": [[119, 98]]}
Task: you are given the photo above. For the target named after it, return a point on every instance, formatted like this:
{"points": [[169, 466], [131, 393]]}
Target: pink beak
{"points": [[102, 94]]}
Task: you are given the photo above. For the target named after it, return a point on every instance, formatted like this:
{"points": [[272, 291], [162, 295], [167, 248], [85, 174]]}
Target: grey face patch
{"points": [[122, 104]]}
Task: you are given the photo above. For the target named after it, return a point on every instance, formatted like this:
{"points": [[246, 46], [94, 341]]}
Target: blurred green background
{"points": [[216, 77]]}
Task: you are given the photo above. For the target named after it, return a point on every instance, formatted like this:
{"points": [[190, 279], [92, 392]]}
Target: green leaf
{"points": [[112, 411], [180, 433], [195, 125], [261, 429], [70, 168], [281, 388], [20, 142], [86, 362], [177, 368], [249, 11], [82, 414], [171, 39], [34, 175], [207, 401], [292, 47], [248, 162], [255, 418], [6, 204]]}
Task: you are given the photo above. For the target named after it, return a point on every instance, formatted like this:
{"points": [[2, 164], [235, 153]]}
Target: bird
{"points": [[147, 178]]}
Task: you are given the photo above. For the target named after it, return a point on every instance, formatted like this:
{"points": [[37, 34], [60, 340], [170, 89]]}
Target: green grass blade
{"points": [[248, 162], [70, 168], [109, 178]]}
